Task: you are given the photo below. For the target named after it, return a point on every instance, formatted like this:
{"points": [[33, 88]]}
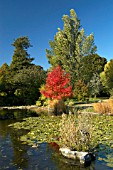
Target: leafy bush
{"points": [[57, 106], [70, 102], [42, 101], [95, 85], [81, 91], [104, 107], [111, 93], [111, 97], [38, 103], [88, 109]]}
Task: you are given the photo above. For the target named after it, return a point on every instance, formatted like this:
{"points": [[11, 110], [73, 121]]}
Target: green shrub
{"points": [[81, 91], [38, 103], [42, 101], [70, 102], [57, 106], [111, 93], [89, 109]]}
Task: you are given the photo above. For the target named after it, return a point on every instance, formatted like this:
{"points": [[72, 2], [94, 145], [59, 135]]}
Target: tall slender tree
{"points": [[70, 45]]}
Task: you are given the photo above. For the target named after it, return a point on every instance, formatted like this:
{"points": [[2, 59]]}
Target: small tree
{"points": [[107, 76], [57, 85], [90, 65], [95, 85], [80, 90]]}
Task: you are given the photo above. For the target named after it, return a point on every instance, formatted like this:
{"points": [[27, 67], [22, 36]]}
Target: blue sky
{"points": [[39, 20]]}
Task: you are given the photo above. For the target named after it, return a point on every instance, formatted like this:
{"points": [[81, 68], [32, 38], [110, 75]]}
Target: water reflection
{"points": [[16, 114], [14, 155], [12, 152]]}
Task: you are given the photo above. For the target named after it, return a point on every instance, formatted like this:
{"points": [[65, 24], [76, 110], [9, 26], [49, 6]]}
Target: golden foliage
{"points": [[104, 107], [76, 131], [58, 106]]}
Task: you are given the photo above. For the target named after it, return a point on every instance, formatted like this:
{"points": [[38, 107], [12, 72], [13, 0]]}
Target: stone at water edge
{"points": [[84, 157], [68, 153]]}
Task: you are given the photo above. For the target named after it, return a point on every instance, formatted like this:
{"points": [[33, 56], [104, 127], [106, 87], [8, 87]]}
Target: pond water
{"points": [[15, 155]]}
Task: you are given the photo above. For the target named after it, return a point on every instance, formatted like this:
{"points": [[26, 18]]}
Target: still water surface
{"points": [[16, 156]]}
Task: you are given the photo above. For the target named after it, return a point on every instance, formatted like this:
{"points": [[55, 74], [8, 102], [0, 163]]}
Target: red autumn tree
{"points": [[57, 84]]}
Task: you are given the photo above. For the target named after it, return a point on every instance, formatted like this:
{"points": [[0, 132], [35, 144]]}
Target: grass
{"points": [[104, 107]]}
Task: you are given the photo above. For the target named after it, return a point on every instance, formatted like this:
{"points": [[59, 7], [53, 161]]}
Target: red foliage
{"points": [[57, 84]]}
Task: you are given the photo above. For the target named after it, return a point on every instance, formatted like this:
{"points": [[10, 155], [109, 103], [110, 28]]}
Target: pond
{"points": [[16, 155]]}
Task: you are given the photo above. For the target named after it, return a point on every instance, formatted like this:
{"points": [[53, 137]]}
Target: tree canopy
{"points": [[27, 83], [90, 65], [70, 45], [20, 82], [21, 58], [107, 75]]}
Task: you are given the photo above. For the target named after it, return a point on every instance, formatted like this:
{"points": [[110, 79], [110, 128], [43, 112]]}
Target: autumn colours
{"points": [[57, 84], [76, 68]]}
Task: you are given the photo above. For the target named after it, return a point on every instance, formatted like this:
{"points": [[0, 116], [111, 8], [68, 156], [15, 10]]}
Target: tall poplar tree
{"points": [[70, 45]]}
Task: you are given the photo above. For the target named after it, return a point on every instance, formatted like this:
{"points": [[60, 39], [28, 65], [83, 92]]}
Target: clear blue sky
{"points": [[39, 20]]}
